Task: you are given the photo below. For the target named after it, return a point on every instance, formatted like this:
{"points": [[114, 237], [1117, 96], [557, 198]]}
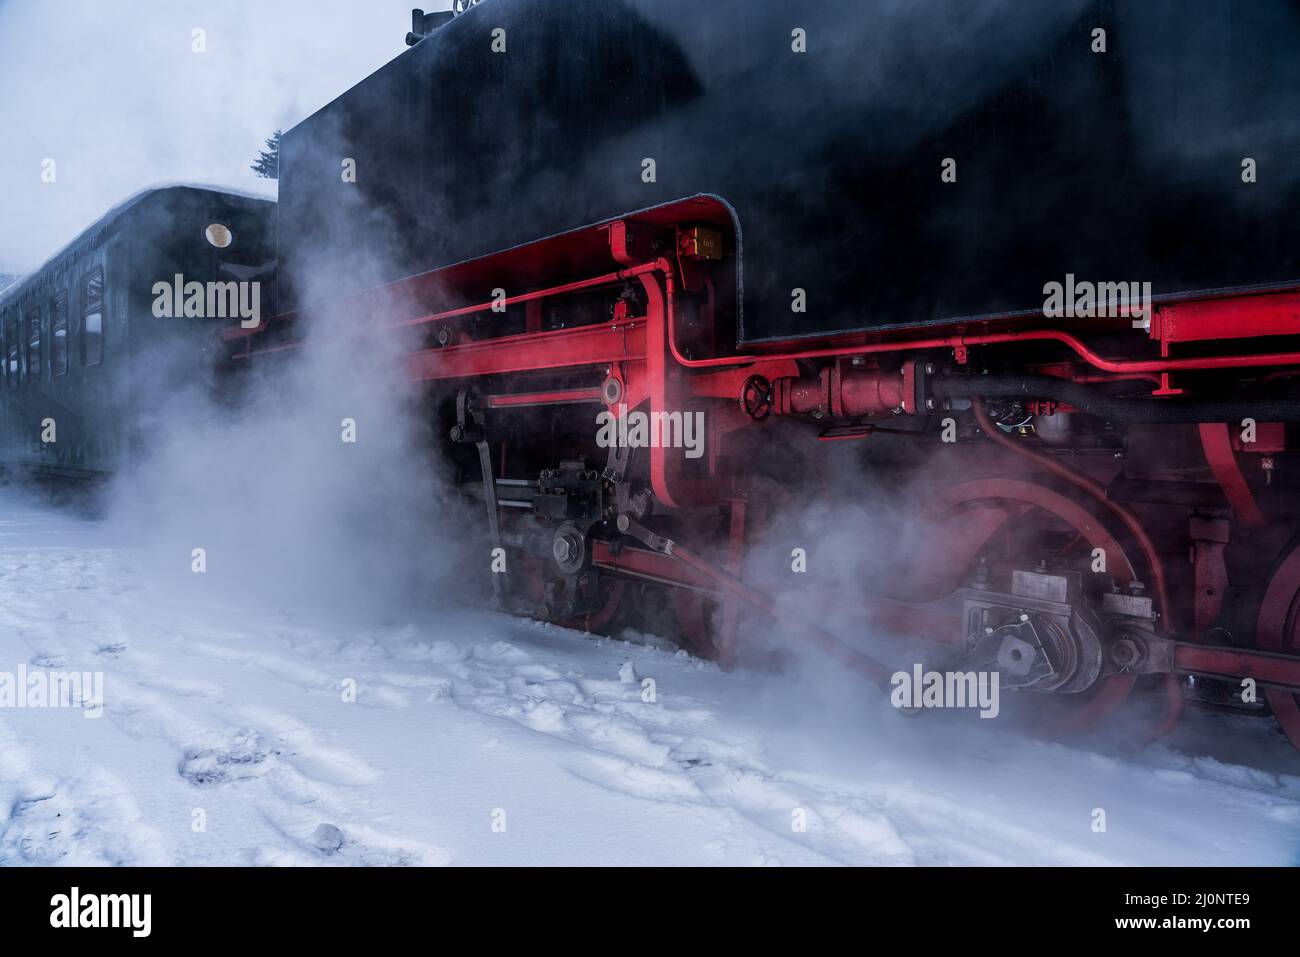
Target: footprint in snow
{"points": [[36, 830], [243, 759]]}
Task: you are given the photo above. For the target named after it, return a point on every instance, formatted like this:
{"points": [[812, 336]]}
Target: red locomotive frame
{"points": [[636, 356]]}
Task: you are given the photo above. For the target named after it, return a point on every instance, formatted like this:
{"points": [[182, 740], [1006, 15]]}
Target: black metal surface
{"points": [[1117, 166], [1091, 400]]}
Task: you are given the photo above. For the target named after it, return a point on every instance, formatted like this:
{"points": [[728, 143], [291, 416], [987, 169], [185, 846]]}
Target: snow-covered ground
{"points": [[478, 739]]}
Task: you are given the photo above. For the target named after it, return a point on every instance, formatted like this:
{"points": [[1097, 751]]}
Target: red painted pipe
{"points": [[959, 341], [578, 285], [962, 341]]}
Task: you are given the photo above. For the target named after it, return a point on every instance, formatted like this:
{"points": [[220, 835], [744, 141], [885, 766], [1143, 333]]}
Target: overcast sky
{"points": [[113, 92]]}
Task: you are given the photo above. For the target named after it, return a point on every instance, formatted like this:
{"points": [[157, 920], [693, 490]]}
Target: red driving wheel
{"points": [[1278, 629], [1111, 693]]}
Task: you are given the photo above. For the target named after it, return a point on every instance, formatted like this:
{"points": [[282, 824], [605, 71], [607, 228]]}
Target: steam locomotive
{"points": [[1018, 285]]}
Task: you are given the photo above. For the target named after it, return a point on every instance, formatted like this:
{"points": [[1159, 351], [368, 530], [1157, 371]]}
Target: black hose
{"points": [[1092, 401]]}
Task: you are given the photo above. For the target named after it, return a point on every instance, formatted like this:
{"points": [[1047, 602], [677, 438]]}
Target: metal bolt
{"points": [[1126, 652], [565, 548]]}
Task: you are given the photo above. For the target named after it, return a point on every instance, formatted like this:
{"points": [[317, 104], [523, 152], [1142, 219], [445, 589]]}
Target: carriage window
{"points": [[59, 335], [34, 345], [11, 348], [92, 318]]}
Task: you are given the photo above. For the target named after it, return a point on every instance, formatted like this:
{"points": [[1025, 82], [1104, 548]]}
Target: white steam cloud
{"points": [[286, 510]]}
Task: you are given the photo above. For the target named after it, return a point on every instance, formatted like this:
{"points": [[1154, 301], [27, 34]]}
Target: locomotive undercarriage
{"points": [[1016, 588], [1083, 525]]}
